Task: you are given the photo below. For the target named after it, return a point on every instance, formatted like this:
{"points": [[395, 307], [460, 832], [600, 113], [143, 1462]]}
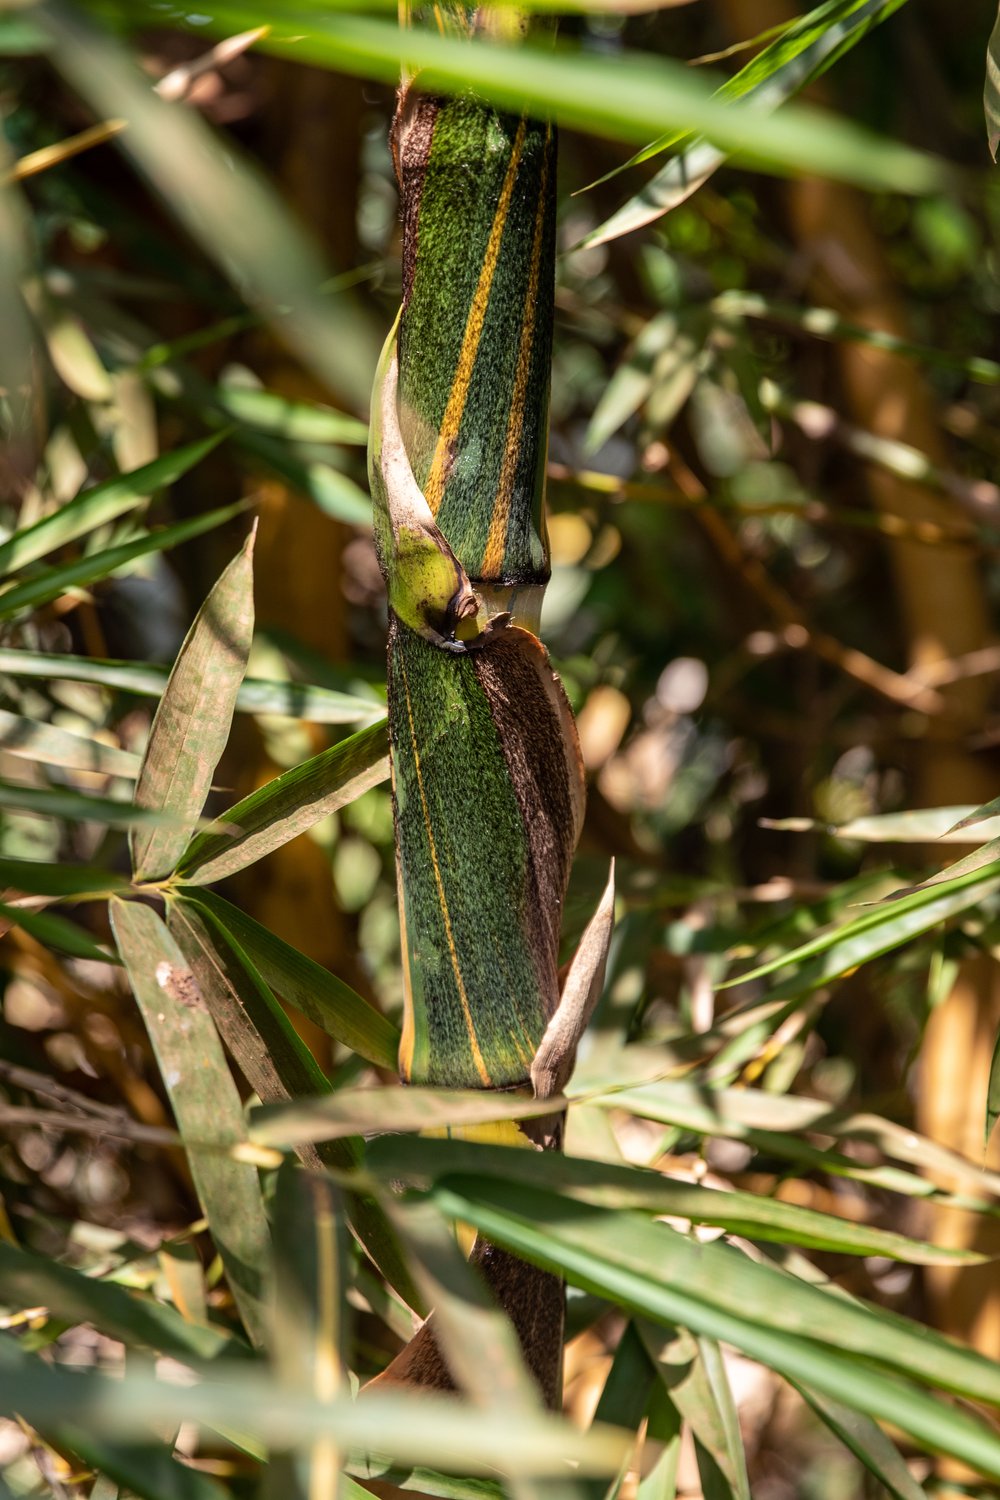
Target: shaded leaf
{"points": [[191, 724], [867, 1442], [830, 1342], [102, 502], [55, 931], [371, 1111], [33, 877], [320, 995], [309, 1304], [80, 807], [297, 700], [288, 805], [48, 743], [138, 1321], [610, 1185], [203, 1097], [49, 583], [412, 1429], [626, 96], [800, 54]]}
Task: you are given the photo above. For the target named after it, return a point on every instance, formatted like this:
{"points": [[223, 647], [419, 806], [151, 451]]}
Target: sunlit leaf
{"points": [[31, 739], [320, 995], [51, 582], [297, 700], [287, 806], [102, 502], [191, 724], [369, 1111], [204, 1099]]}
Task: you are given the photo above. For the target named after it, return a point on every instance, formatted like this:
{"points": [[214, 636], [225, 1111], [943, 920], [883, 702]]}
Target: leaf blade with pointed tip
{"points": [[204, 1099], [102, 502], [35, 740], [191, 724], [333, 1005], [53, 581], [287, 806]]}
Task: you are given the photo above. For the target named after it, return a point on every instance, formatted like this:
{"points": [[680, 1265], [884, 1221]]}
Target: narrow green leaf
{"points": [[32, 877], [427, 1481], [624, 1398], [409, 1428], [101, 503], [829, 1342], [216, 195], [191, 724], [288, 805], [609, 1185], [318, 994], [800, 54], [33, 740], [663, 1427], [298, 421], [370, 1111], [993, 1092], [80, 807], [204, 1099], [877, 930], [296, 700], [781, 1121], [868, 1442], [55, 931], [138, 1321], [267, 1049], [625, 96], [50, 583]]}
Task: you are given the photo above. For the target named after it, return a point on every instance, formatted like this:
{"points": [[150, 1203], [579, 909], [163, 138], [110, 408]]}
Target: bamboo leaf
{"points": [[288, 805], [294, 699], [203, 1097], [625, 96], [270, 1054], [36, 741], [81, 807], [32, 877], [609, 1185], [918, 826], [297, 421], [868, 1442], [320, 995], [410, 1429], [191, 724], [800, 54], [663, 1427], [892, 922], [370, 1111], [829, 1342], [49, 583], [101, 503], [780, 1122], [215, 194], [55, 931], [138, 1321]]}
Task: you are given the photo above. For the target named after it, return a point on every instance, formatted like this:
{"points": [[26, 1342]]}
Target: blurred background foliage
{"points": [[775, 529]]}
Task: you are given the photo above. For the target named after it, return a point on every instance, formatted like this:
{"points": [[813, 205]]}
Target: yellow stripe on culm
{"points": [[452, 419], [496, 542], [477, 1056]]}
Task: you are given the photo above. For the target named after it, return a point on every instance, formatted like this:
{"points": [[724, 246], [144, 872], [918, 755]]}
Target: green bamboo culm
{"points": [[487, 775]]}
